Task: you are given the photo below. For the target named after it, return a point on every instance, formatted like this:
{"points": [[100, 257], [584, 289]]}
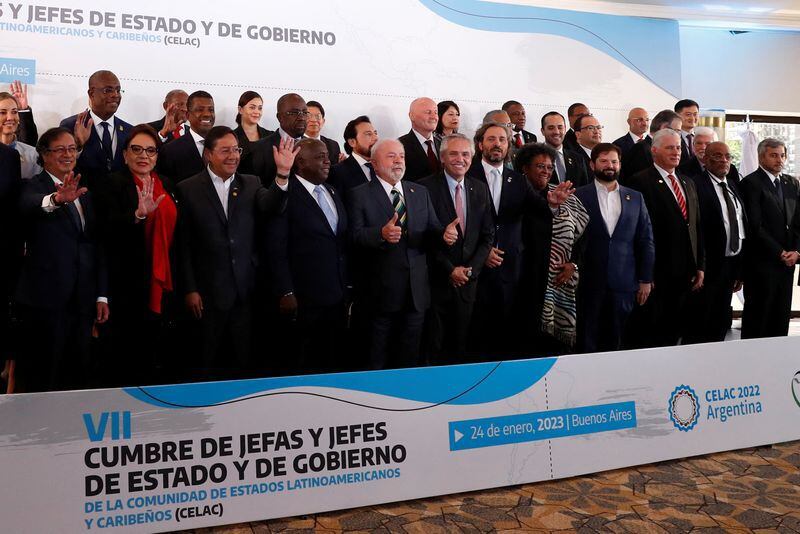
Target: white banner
{"points": [[161, 458]]}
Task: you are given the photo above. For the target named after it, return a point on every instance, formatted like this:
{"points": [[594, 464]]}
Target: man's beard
{"points": [[603, 177]]}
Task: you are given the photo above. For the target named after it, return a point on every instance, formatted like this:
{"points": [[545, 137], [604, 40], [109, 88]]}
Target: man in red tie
{"points": [[516, 112], [638, 124], [680, 256], [420, 145]]}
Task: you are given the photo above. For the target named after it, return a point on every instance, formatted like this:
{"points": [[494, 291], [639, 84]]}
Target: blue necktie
{"points": [[325, 207]]}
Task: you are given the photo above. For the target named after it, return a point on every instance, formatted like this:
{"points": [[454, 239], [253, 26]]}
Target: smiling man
{"points": [[420, 145], [293, 115], [183, 157]]}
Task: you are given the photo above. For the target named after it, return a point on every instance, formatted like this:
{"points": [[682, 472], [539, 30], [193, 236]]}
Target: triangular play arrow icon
{"points": [[458, 435]]}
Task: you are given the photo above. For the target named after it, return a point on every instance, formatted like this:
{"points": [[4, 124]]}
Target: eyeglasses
{"points": [[297, 113], [315, 116], [720, 157], [137, 149], [61, 150], [640, 119], [593, 128], [110, 90], [227, 151], [507, 124], [543, 166]]}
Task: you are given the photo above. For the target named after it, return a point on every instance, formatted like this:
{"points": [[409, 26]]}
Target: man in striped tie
{"points": [[394, 225], [680, 255]]}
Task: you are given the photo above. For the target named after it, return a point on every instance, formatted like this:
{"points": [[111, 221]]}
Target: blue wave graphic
{"points": [[458, 384], [650, 47]]}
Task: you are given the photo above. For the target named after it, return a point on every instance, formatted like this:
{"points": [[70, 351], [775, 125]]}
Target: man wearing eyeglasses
{"points": [[588, 133], [316, 121], [638, 123], [216, 249], [292, 114], [63, 285], [99, 133]]}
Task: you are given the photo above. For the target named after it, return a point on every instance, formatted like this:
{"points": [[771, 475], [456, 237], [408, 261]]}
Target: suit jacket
{"points": [[685, 154], [473, 245], [772, 227], [217, 254], [417, 163], [679, 244], [247, 144], [625, 143], [346, 175], [714, 236], [63, 261], [304, 255], [527, 137], [157, 125], [261, 160], [180, 159], [333, 149], [576, 170], [27, 131], [92, 164], [571, 140], [637, 159], [10, 228], [693, 168], [620, 261], [582, 162], [394, 270]]}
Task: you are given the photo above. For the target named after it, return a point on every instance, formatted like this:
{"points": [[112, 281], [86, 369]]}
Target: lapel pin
{"points": [[235, 194], [411, 189], [569, 160], [660, 181], [627, 197], [120, 127], [509, 179]]}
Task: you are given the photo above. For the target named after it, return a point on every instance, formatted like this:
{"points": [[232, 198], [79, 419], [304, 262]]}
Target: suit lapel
{"points": [[410, 197], [342, 217], [311, 203], [593, 207], [789, 200], [211, 191], [233, 195], [381, 199]]}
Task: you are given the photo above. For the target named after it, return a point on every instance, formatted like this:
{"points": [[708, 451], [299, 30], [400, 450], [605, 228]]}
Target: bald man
{"points": [[638, 124], [422, 149]]}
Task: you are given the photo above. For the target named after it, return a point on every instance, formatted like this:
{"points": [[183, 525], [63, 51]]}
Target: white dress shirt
{"points": [[422, 141], [587, 150], [285, 135], [199, 141], [635, 137], [325, 193], [725, 219], [664, 174], [112, 130], [495, 182], [388, 188], [610, 204], [772, 177], [222, 187], [363, 164]]}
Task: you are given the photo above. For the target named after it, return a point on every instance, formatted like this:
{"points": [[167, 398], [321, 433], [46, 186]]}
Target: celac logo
{"points": [[796, 388], [684, 408]]}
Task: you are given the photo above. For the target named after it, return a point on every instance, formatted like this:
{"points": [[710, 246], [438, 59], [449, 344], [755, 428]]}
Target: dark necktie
{"points": [[733, 221], [689, 143], [779, 190], [372, 174], [108, 150], [433, 161], [518, 139]]}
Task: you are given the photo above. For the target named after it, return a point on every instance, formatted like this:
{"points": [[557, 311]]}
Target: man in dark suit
{"points": [[680, 255], [63, 284], [494, 332], [171, 126], [184, 158], [99, 133], [638, 122], [723, 219], [10, 243], [640, 156], [695, 166], [773, 240], [359, 137], [316, 121], [292, 114], [573, 112], [306, 252], [216, 250], [394, 224], [589, 133], [455, 269], [689, 112], [420, 145], [516, 112], [617, 271], [568, 164]]}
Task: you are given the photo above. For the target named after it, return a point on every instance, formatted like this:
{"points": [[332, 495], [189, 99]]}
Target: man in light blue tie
{"points": [[306, 253]]}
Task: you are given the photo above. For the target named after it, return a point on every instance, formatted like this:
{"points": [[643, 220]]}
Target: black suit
{"points": [[711, 305], [680, 253], [305, 257], [10, 238], [637, 159], [686, 153], [494, 330], [247, 144], [63, 274], [773, 227], [180, 159], [261, 161], [93, 165], [626, 143], [417, 163], [397, 274], [333, 148], [583, 162], [576, 170], [571, 140], [159, 124], [217, 257], [452, 306], [693, 168], [346, 175], [27, 132]]}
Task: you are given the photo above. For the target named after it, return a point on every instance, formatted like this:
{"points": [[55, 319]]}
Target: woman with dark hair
{"points": [[551, 257], [449, 118], [250, 111], [138, 216]]}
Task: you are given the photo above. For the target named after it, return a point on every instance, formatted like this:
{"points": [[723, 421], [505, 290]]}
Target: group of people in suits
{"points": [[182, 249]]}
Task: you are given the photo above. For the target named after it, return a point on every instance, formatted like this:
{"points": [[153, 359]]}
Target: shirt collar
{"points": [[587, 150], [716, 179], [602, 188], [636, 137], [57, 181], [97, 120], [772, 177], [285, 135], [388, 187], [197, 137], [452, 182], [215, 178], [361, 161], [308, 185], [488, 167], [663, 172], [560, 149], [421, 139]]}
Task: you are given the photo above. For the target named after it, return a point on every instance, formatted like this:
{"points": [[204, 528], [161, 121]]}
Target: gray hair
{"points": [[770, 142], [446, 140], [488, 116], [661, 134], [705, 130], [382, 141]]}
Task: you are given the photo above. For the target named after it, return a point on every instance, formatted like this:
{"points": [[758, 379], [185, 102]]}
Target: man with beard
{"points": [[420, 145], [184, 158], [495, 331], [619, 256], [359, 138], [306, 249], [292, 116], [569, 166], [393, 224]]}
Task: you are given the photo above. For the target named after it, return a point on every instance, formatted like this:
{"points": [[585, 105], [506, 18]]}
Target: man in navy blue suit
{"points": [[619, 256], [99, 133], [306, 252], [394, 224]]}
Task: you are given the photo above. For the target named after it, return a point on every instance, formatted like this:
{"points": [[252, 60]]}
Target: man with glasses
{"points": [[638, 123], [292, 114], [640, 156], [63, 285], [183, 158], [216, 244], [420, 145], [99, 133], [588, 133], [316, 121]]}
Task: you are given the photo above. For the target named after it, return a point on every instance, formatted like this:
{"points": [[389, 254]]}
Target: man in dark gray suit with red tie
{"points": [[420, 145]]}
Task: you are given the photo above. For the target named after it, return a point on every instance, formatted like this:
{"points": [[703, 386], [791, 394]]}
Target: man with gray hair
{"points": [[695, 166], [640, 157], [455, 269], [771, 202], [680, 256], [420, 145]]}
